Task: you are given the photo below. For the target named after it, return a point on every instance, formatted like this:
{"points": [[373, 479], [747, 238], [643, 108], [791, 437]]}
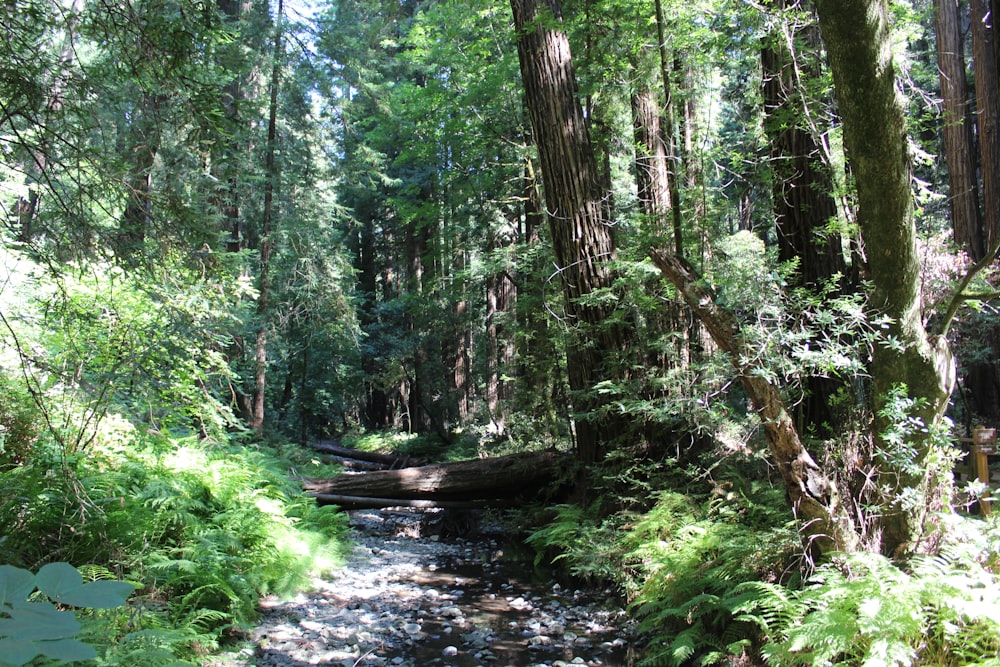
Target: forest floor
{"points": [[410, 597]]}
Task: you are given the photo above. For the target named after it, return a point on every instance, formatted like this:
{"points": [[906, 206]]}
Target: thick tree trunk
{"points": [[987, 113], [652, 160], [581, 235], [958, 138], [803, 186], [802, 192], [669, 134], [145, 143], [859, 47], [518, 475], [827, 523], [981, 379]]}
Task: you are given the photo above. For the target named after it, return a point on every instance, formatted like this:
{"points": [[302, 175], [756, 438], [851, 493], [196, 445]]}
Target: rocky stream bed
{"points": [[410, 597]]}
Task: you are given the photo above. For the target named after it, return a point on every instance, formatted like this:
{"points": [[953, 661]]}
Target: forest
{"points": [[727, 267]]}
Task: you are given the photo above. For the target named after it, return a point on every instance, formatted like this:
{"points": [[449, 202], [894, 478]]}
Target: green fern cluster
{"points": [[582, 541], [695, 561], [865, 610], [206, 529]]}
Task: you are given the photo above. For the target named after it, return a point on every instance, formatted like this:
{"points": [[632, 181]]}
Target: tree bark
{"points": [[669, 134], [365, 502], [144, 142], [987, 113], [384, 460], [963, 188], [581, 235], [859, 47], [802, 186], [815, 500], [802, 191], [981, 377]]}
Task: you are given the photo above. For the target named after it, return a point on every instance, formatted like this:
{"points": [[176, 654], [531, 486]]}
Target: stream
{"points": [[408, 597]]}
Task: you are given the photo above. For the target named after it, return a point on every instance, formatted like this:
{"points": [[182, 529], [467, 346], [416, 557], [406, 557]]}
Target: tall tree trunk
{"points": [[803, 186], [985, 46], [669, 133], [987, 113], [144, 142], [981, 382], [958, 138], [652, 161], [539, 384], [802, 192], [501, 307], [859, 47], [271, 176], [581, 235], [233, 96]]}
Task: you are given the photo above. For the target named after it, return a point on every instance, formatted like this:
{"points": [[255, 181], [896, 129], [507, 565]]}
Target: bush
{"points": [[21, 422], [205, 528]]}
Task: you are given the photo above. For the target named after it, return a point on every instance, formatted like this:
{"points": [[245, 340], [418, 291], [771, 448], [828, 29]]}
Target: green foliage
{"points": [[21, 423], [694, 562], [32, 627], [685, 563], [205, 528], [940, 610], [582, 540]]}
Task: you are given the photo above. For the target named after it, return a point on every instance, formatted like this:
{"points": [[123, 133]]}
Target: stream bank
{"points": [[408, 597]]}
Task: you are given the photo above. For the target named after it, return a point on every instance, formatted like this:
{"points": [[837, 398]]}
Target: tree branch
{"points": [[960, 297]]}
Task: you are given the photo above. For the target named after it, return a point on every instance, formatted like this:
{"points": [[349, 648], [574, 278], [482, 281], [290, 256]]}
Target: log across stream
{"points": [[401, 482]]}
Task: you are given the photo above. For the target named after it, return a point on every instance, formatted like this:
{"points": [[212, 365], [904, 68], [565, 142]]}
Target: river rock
{"points": [[406, 600]]}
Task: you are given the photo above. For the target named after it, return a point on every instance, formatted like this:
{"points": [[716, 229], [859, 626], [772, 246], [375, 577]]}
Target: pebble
{"points": [[405, 600]]}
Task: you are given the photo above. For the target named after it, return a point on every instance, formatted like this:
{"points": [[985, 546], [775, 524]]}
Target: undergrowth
{"points": [[203, 529], [721, 578]]}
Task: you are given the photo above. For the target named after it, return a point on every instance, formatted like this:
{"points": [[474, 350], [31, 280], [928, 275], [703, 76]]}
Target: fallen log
{"points": [[353, 464], [386, 460], [362, 502], [528, 474]]}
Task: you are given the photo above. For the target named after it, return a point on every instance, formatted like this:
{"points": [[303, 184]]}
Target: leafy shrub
{"points": [[20, 423], [206, 528], [582, 541], [683, 563], [693, 560], [31, 627]]}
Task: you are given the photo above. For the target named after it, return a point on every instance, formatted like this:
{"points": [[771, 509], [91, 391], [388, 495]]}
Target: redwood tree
{"points": [[582, 237]]}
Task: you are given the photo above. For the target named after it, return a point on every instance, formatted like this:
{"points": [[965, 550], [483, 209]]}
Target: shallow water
{"points": [[407, 598]]}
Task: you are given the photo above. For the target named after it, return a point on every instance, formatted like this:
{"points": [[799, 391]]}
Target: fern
{"points": [[699, 603], [867, 611]]}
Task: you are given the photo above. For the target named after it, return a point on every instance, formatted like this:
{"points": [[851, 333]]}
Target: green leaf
{"points": [[15, 585], [67, 649], [54, 579], [17, 651], [99, 595], [62, 582], [39, 620]]}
